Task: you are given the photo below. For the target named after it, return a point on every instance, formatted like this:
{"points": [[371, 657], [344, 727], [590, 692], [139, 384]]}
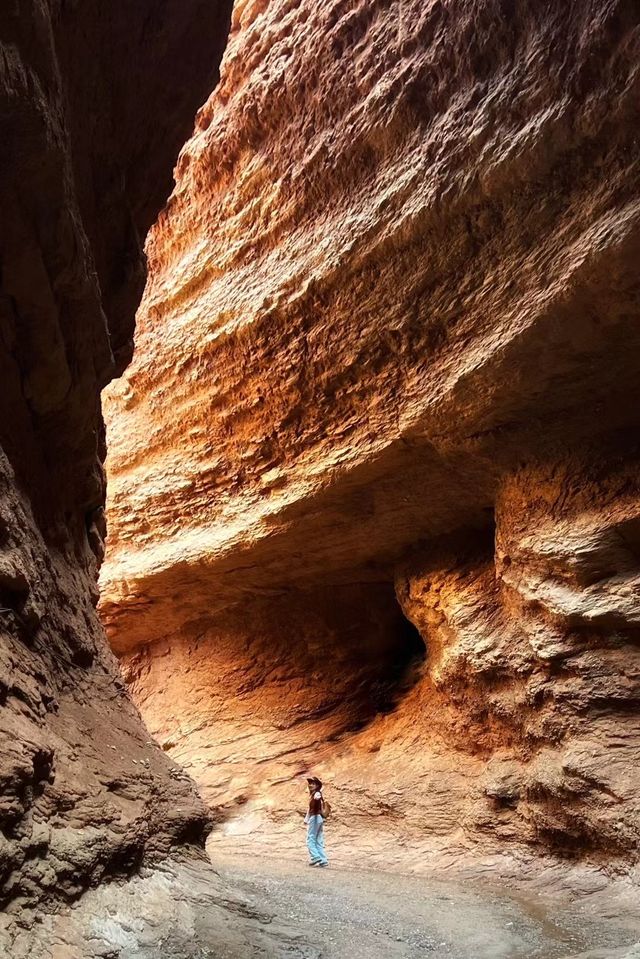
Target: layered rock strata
{"points": [[391, 337], [90, 131]]}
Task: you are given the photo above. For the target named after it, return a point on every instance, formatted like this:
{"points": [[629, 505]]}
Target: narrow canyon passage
{"points": [[328, 463]]}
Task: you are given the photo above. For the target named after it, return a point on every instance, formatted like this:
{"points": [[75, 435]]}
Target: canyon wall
{"points": [[387, 362], [91, 128]]}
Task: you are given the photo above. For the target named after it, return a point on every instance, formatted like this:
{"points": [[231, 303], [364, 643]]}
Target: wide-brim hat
{"points": [[314, 779]]}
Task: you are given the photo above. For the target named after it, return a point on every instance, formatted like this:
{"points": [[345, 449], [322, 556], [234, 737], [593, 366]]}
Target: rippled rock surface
{"points": [[387, 361]]}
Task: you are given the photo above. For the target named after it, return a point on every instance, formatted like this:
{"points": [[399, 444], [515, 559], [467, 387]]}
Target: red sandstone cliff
{"points": [[391, 337], [90, 127]]}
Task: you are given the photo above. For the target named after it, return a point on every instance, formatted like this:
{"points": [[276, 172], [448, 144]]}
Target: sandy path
{"points": [[341, 913]]}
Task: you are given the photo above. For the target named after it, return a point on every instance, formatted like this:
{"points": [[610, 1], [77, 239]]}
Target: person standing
{"points": [[315, 824]]}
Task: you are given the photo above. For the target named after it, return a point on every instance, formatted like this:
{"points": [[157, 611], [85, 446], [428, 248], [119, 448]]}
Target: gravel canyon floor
{"points": [[350, 913]]}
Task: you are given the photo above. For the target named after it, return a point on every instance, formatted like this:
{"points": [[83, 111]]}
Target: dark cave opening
{"points": [[402, 664]]}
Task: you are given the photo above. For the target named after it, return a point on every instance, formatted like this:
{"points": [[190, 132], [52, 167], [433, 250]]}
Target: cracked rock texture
{"points": [[90, 130], [387, 360]]}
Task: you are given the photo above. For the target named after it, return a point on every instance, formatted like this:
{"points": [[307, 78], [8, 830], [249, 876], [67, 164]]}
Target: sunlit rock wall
{"points": [[395, 288], [90, 129]]}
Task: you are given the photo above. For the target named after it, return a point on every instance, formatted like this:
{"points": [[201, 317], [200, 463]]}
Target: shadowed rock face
{"points": [[90, 127], [391, 336], [247, 696]]}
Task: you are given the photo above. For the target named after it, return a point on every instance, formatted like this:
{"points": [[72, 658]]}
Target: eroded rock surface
{"points": [[181, 908], [391, 337], [90, 129]]}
